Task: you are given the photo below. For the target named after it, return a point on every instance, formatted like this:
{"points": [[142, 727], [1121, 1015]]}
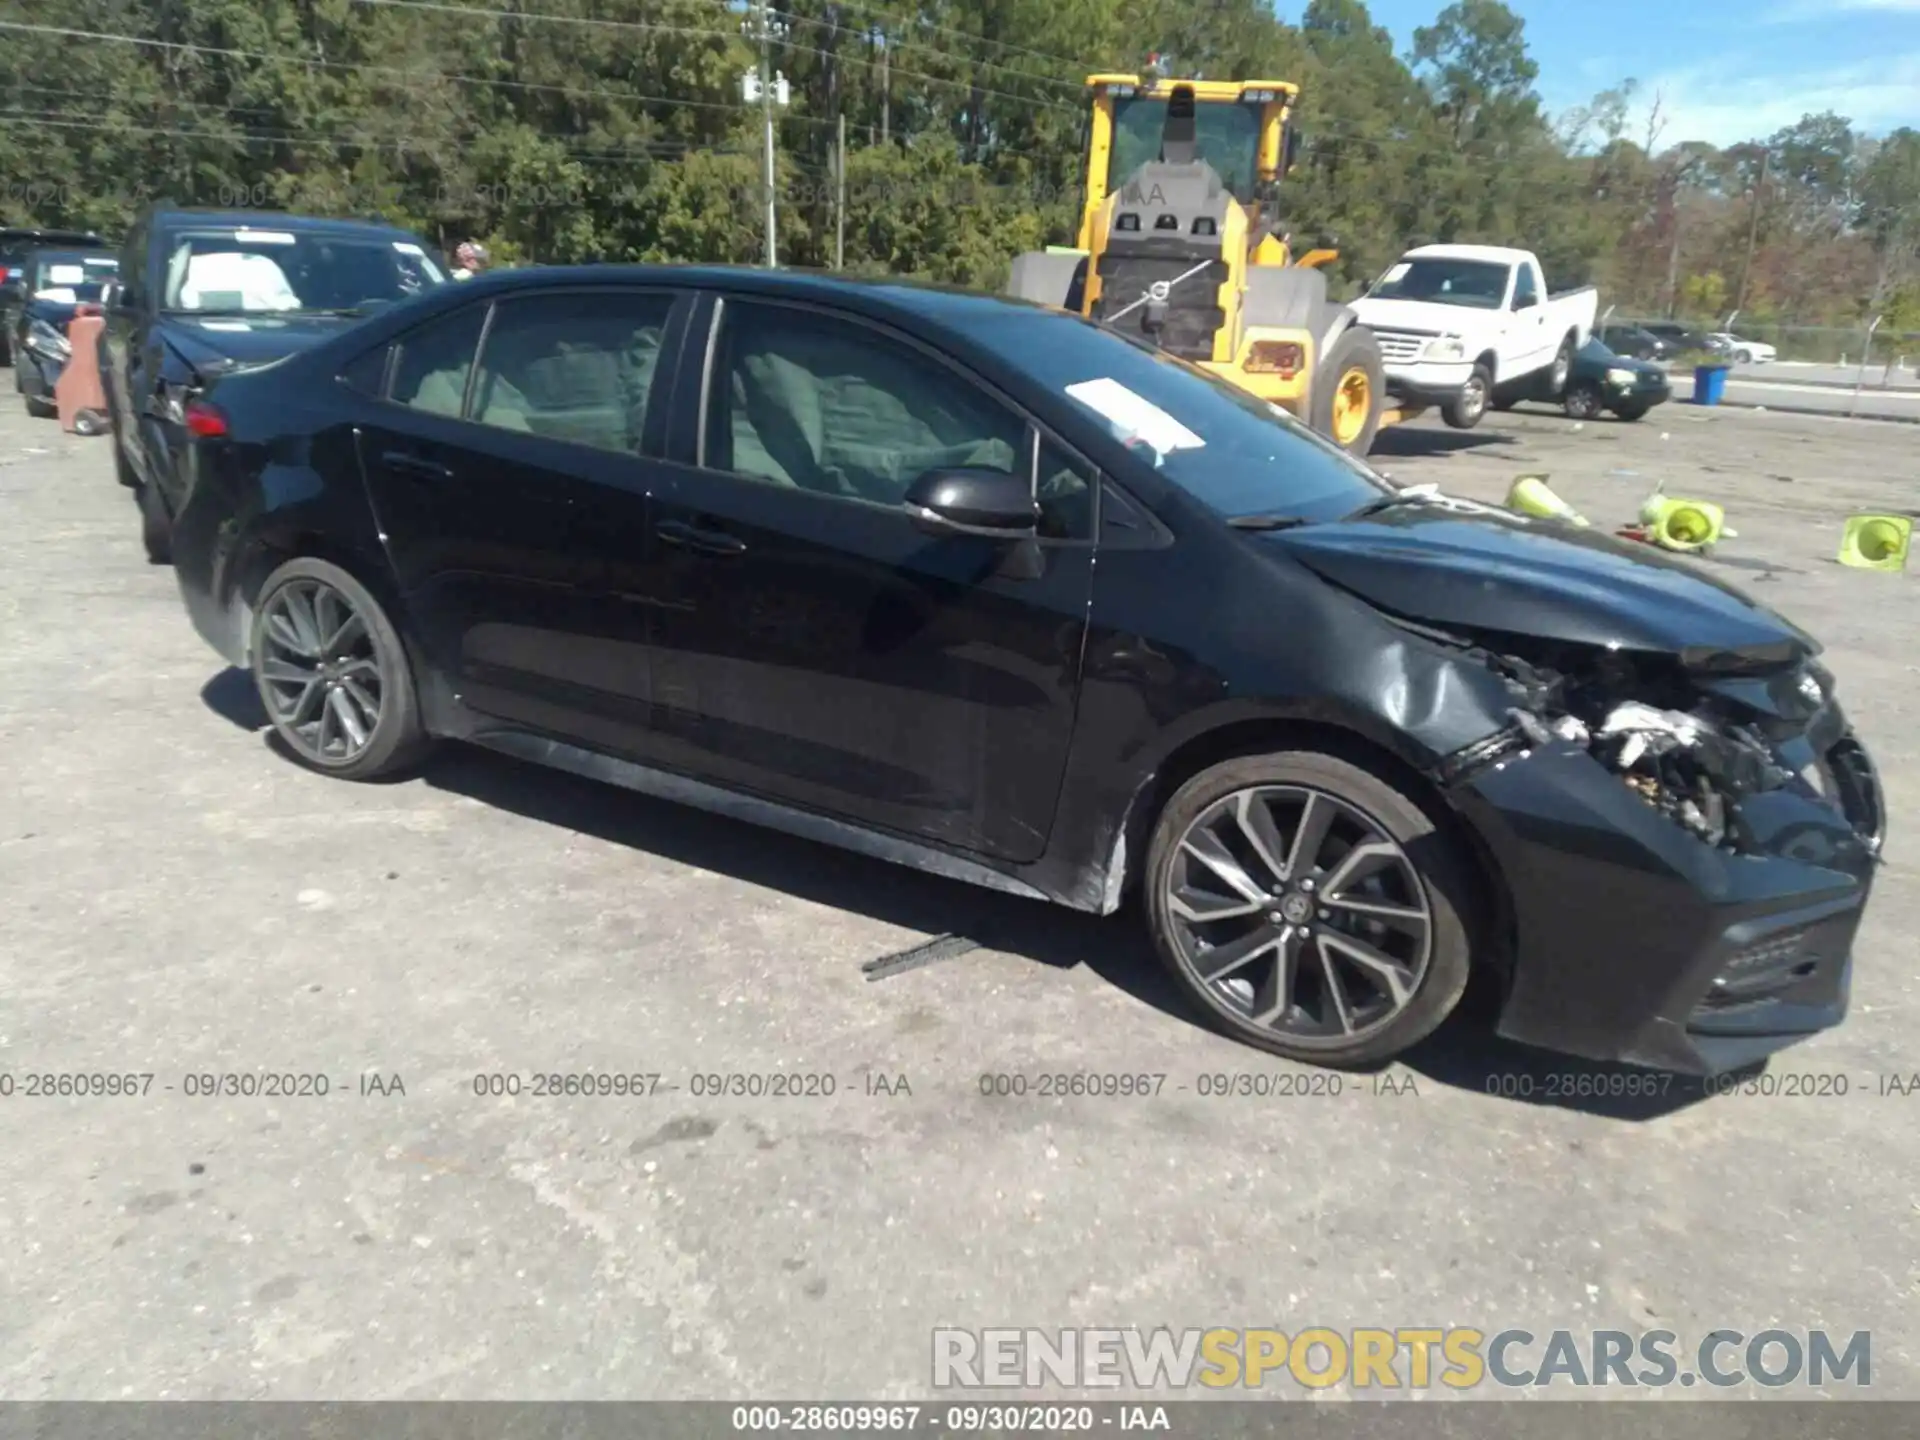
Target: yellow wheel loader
{"points": [[1180, 243]]}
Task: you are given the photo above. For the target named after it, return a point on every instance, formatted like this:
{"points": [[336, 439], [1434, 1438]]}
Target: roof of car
{"points": [[963, 309], [176, 216], [1494, 254]]}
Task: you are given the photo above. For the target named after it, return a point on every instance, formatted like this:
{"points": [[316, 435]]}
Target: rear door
{"points": [[810, 643], [508, 467]]}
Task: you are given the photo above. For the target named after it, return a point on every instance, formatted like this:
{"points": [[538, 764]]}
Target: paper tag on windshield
{"points": [[406, 247], [1135, 417], [66, 275], [264, 237]]}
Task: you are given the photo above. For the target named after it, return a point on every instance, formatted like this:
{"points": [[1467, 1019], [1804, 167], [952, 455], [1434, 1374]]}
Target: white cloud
{"points": [[1794, 12], [1723, 107]]}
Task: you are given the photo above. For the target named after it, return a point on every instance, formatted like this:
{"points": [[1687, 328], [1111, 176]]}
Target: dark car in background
{"points": [[1634, 341], [1601, 382], [991, 590], [15, 245], [58, 283], [204, 292], [1683, 339]]}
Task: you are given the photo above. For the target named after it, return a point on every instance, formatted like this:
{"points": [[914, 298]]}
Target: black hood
{"points": [[1482, 569], [221, 342]]}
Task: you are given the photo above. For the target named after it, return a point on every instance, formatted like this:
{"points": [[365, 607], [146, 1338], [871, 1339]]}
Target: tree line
{"points": [[569, 130]]}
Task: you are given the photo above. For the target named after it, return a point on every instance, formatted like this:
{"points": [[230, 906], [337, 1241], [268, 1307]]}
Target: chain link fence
{"points": [[1888, 355]]}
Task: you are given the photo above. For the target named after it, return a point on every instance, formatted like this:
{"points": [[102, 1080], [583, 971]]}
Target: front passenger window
{"points": [[804, 400]]}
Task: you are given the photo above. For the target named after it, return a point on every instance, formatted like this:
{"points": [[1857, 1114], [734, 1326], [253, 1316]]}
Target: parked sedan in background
{"points": [[204, 292], [821, 554], [15, 245], [1744, 352], [58, 283], [1635, 342], [1682, 339]]}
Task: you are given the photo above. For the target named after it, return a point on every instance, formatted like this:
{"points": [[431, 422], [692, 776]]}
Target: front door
{"points": [[508, 469], [811, 644]]}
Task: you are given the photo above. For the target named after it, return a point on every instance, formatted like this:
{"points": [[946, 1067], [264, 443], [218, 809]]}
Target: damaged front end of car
{"points": [[1688, 839]]}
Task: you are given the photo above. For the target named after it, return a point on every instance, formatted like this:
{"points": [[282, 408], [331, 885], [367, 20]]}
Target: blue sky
{"points": [[1727, 70]]}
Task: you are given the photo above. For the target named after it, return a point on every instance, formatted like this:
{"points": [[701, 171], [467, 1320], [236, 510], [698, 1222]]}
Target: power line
{"points": [[659, 149], [417, 76], [649, 26]]}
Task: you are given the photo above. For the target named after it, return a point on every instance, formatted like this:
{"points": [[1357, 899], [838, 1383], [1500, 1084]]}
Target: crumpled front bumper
{"points": [[1634, 941]]}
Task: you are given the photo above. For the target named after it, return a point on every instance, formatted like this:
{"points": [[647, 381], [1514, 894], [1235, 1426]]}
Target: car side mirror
{"points": [[985, 503]]}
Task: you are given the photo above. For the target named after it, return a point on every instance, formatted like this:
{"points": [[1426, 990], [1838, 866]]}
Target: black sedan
{"points": [[58, 283], [16, 244], [203, 292], [983, 588], [1601, 382]]}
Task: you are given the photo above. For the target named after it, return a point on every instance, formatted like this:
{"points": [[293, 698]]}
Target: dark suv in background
{"points": [[15, 246]]}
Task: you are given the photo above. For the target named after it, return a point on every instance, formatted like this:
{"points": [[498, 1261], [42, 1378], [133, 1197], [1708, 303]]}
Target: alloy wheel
{"points": [[1475, 396], [320, 674], [1582, 402], [1296, 911]]}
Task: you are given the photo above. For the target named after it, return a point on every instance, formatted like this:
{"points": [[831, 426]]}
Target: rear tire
{"points": [[1468, 407], [156, 526], [1358, 989], [40, 408], [356, 665], [1348, 390], [1560, 372]]}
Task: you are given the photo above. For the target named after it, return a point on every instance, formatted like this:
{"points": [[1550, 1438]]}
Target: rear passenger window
{"points": [[431, 370], [368, 374], [574, 367]]}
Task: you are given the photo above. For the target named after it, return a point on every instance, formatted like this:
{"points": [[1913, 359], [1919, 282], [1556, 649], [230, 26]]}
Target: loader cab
{"points": [[1239, 128]]}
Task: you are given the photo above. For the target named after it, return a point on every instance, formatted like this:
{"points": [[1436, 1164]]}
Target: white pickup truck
{"points": [[1468, 326]]}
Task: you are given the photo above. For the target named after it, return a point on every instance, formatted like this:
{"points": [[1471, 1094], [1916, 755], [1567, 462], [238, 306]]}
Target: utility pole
{"points": [[886, 90], [840, 196], [1753, 228], [769, 89]]}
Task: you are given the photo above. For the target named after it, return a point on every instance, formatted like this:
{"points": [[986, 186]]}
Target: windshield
{"points": [[245, 272], [1236, 454], [74, 275], [1227, 138], [1477, 284]]}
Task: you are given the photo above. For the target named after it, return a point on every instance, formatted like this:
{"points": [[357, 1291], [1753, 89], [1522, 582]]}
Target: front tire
{"points": [[333, 673], [1468, 407], [1309, 908], [1743, 357], [156, 526], [1348, 392], [1583, 401], [1633, 410]]}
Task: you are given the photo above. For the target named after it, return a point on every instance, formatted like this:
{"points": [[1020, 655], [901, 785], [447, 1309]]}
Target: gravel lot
{"points": [[179, 900]]}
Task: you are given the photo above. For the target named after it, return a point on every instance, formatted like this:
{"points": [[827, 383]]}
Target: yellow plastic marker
{"points": [[1530, 495], [1684, 525], [1876, 542]]}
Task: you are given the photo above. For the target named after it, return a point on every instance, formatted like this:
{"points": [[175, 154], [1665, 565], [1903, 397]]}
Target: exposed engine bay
{"points": [[1692, 745]]}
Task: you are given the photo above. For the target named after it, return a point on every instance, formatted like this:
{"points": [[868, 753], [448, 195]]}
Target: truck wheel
{"points": [[1562, 369], [1469, 406], [1347, 391]]}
